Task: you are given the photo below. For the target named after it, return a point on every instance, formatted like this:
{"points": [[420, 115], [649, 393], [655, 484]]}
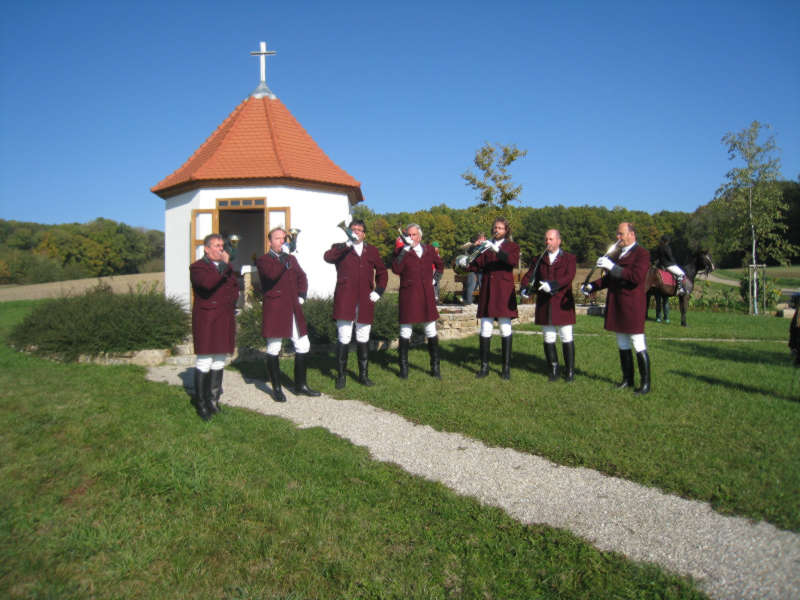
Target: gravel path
{"points": [[730, 557]]}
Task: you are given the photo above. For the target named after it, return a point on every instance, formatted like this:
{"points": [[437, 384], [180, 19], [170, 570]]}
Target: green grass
{"points": [[781, 276], [113, 488], [720, 425]]}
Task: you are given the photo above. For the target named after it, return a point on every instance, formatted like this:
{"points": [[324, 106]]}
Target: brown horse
{"points": [[701, 262]]}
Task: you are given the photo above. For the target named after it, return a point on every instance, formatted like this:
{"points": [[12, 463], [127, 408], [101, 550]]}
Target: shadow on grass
{"points": [[725, 352], [736, 387]]}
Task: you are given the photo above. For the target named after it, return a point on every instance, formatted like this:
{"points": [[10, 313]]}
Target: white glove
{"points": [[285, 248], [496, 245], [406, 248], [374, 296], [605, 263], [301, 300], [462, 261], [586, 289], [349, 243], [524, 293], [544, 287]]}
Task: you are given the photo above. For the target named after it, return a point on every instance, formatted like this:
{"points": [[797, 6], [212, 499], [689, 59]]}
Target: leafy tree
{"points": [[752, 200], [494, 186]]}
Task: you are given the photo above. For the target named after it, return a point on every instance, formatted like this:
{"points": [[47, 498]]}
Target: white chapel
{"points": [[260, 169]]}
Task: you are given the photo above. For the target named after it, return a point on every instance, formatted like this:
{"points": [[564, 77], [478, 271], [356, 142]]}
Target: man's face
{"points": [[552, 240], [415, 235], [359, 231], [214, 249], [276, 240], [625, 235], [499, 230]]}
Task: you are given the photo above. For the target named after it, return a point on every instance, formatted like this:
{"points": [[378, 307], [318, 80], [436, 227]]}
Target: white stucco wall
{"points": [[316, 213]]}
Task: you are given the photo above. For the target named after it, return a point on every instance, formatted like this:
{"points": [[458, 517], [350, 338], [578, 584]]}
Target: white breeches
{"points": [[301, 344], [626, 340], [676, 270], [210, 362], [562, 331], [345, 331], [405, 330], [487, 326]]}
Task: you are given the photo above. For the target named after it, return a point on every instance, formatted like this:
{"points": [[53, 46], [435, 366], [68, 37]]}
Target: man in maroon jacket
{"points": [[626, 307], [361, 279], [498, 295], [284, 285], [216, 289], [418, 265], [551, 279]]}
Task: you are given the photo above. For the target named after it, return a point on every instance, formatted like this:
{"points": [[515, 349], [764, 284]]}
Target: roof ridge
{"points": [[273, 136]]}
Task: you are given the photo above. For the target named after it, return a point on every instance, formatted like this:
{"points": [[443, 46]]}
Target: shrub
{"points": [[767, 291], [100, 321], [319, 317]]}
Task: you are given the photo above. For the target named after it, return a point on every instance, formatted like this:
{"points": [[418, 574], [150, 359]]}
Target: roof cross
{"points": [[262, 89]]}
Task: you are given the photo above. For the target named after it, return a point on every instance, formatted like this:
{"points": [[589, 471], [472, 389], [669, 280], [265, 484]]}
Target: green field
{"points": [[114, 488]]}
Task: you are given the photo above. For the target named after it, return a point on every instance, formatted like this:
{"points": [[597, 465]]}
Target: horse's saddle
{"points": [[667, 278]]}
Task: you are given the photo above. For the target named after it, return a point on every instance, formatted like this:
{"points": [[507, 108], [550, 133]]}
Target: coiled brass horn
{"points": [[293, 233], [348, 232]]}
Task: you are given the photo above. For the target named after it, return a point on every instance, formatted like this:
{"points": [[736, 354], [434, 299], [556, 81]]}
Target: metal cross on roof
{"points": [[262, 89]]}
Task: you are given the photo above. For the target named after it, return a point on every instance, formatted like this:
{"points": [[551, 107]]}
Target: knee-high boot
{"points": [[274, 372], [551, 356], [363, 364], [483, 349], [202, 395], [626, 362], [569, 360], [433, 351], [300, 385], [644, 372], [341, 365], [402, 350], [216, 389], [505, 344]]}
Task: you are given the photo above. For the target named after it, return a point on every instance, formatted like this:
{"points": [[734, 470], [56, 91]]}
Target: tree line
{"points": [[37, 253]]}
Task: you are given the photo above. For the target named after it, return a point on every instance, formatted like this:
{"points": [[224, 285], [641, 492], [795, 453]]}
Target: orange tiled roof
{"points": [[259, 142]]}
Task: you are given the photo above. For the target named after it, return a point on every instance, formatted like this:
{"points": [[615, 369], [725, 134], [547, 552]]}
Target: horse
{"points": [[656, 285]]}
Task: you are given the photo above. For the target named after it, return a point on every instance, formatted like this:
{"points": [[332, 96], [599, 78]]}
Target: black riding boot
{"points": [[505, 344], [433, 351], [551, 356], [569, 360], [202, 395], [403, 354], [216, 389], [274, 372], [341, 365], [300, 386], [626, 362], [363, 364], [644, 372], [483, 349]]}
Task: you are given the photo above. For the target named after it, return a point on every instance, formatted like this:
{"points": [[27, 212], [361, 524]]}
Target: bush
{"points": [[319, 317], [767, 291], [100, 321]]}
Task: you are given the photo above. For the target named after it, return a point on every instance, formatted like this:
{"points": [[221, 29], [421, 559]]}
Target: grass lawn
{"points": [[113, 488], [781, 276]]}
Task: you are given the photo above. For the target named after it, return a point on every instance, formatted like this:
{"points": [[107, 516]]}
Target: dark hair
{"points": [[358, 222]]}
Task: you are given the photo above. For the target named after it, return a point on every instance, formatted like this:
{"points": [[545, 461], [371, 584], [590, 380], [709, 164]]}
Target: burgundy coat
{"points": [[215, 295], [356, 277], [282, 286], [626, 307], [498, 297], [556, 307], [417, 301]]}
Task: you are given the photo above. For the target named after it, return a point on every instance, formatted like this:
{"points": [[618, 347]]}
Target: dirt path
{"points": [[56, 289]]}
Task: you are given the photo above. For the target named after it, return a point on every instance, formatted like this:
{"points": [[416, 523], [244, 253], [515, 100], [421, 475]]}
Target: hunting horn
{"points": [[348, 232], [529, 290], [612, 251], [230, 245], [293, 233]]}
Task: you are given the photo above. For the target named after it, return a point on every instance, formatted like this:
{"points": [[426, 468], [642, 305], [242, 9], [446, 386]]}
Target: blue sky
{"points": [[617, 103]]}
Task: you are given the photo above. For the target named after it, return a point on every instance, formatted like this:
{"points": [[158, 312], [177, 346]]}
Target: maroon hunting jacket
{"points": [[215, 295], [417, 302], [556, 307], [282, 285], [498, 297], [356, 277], [626, 307]]}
